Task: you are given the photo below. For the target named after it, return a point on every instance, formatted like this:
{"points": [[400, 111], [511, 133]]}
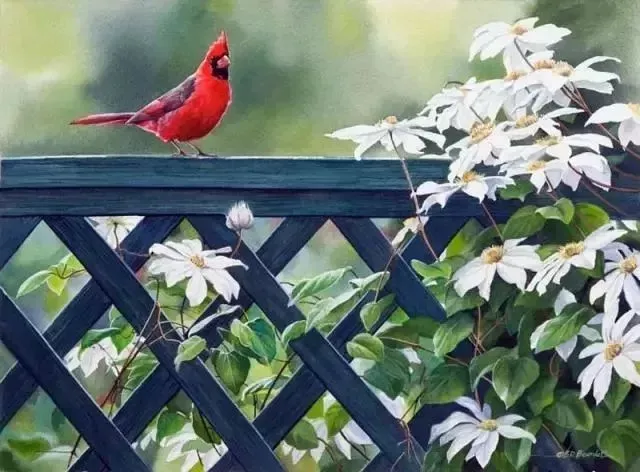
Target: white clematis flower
{"points": [[493, 38], [618, 351], [541, 172], [557, 146], [565, 349], [455, 106], [115, 228], [485, 142], [526, 126], [471, 183], [187, 260], [627, 114], [622, 275], [405, 133], [509, 261], [479, 430], [555, 75], [590, 165], [574, 254]]}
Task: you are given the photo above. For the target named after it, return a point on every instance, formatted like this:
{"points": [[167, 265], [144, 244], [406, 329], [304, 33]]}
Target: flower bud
{"points": [[239, 217]]}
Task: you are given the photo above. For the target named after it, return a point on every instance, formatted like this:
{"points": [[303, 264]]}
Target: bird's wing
{"points": [[172, 100]]}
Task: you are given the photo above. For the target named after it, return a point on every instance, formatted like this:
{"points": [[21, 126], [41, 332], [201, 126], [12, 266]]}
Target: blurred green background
{"points": [[300, 69]]}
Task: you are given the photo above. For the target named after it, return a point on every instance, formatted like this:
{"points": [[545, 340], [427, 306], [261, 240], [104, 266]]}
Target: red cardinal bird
{"points": [[187, 112]]}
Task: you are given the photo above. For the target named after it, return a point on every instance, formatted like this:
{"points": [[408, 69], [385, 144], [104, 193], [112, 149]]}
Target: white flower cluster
{"points": [[516, 129]]}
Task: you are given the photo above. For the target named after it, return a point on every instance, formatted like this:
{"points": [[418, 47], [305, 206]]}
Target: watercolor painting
{"points": [[329, 236]]}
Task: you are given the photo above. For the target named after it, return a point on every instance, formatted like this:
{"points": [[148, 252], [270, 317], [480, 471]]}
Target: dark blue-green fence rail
{"points": [[307, 191]]}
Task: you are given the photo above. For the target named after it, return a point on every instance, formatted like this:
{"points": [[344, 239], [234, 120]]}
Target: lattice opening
{"points": [[180, 438], [327, 250], [42, 277], [326, 439], [260, 232], [39, 437], [7, 361]]}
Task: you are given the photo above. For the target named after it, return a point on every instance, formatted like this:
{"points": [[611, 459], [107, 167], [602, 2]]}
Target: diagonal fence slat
{"points": [[314, 350], [136, 305], [13, 232], [36, 355], [80, 314], [153, 394]]}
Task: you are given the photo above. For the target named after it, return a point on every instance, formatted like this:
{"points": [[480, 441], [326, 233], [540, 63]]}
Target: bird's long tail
{"points": [[104, 119]]}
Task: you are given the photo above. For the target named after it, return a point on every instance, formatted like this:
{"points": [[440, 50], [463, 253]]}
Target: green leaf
{"points": [[561, 210], [570, 412], [30, 447], [203, 428], [33, 282], [273, 382], [611, 444], [189, 349], [518, 451], [169, 423], [232, 368], [371, 312], [409, 332], [618, 391], [56, 284], [589, 217], [454, 303], [464, 239], [528, 323], [366, 346], [435, 460], [429, 272], [518, 191], [391, 375], [263, 340], [302, 436], [620, 441], [374, 281], [511, 377], [523, 223], [483, 364], [94, 336], [330, 310], [452, 332], [446, 383], [307, 287], [336, 418], [540, 395], [293, 331], [123, 337], [564, 326]]}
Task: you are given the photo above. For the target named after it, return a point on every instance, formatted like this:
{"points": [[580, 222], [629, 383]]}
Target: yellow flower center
{"points": [[197, 261], [612, 350], [469, 176], [571, 249], [480, 130], [518, 30], [514, 75], [526, 120], [563, 68], [544, 64], [548, 141], [391, 119], [635, 108], [536, 165], [488, 425], [492, 255], [628, 265]]}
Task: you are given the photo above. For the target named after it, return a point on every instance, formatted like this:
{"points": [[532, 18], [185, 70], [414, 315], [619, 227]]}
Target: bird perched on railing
{"points": [[187, 112]]}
